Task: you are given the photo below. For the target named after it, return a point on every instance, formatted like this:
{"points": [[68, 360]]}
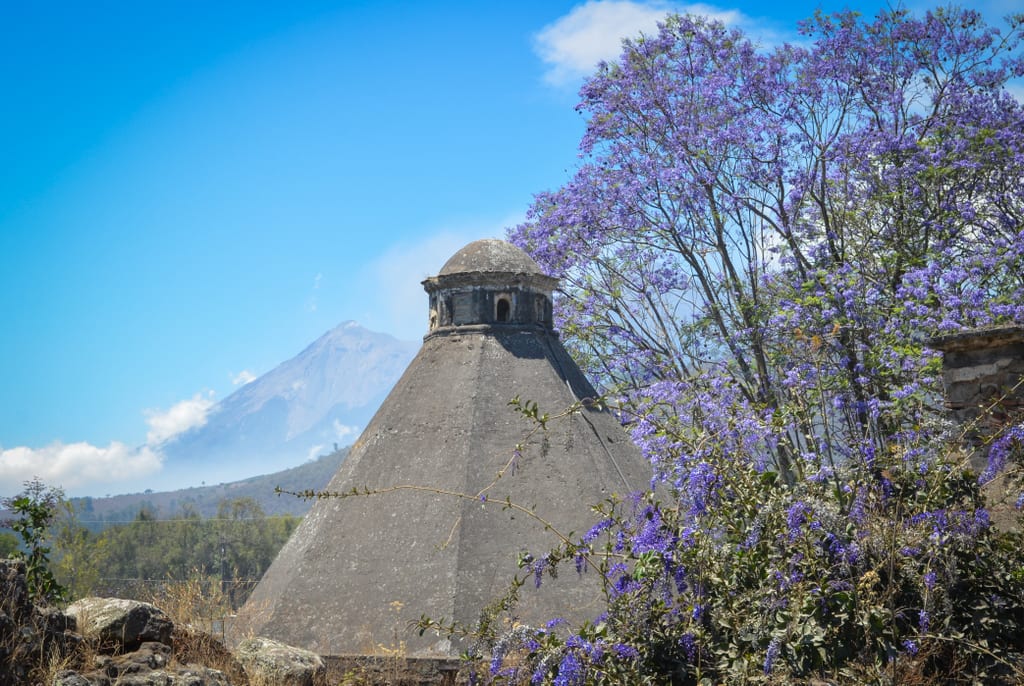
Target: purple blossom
{"points": [[754, 535], [1000, 450], [538, 570], [689, 645], [796, 516], [597, 530], [857, 512], [772, 655], [570, 670], [700, 487], [651, 534]]}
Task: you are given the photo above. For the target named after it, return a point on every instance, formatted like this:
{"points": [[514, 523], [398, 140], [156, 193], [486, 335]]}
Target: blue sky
{"points": [[192, 192]]}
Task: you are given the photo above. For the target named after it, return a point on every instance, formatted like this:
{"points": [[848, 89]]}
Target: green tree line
{"points": [[233, 548]]}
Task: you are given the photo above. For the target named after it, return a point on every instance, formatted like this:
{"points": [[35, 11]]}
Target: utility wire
{"points": [[184, 519]]}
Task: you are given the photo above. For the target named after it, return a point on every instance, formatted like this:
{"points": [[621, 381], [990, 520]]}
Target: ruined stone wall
{"points": [[982, 374]]}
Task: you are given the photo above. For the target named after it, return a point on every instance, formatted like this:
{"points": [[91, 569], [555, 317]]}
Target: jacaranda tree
{"points": [[755, 250]]}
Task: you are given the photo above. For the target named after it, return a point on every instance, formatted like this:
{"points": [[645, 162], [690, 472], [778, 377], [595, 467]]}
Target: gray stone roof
{"points": [[490, 255], [358, 569]]}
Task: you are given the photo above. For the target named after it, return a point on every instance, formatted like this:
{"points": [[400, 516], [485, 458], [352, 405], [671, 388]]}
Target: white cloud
{"points": [[243, 377], [77, 466], [82, 468], [343, 431], [574, 44], [181, 417]]}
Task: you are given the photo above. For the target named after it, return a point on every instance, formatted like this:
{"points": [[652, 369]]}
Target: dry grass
{"points": [[199, 611], [56, 660], [197, 602], [383, 663]]}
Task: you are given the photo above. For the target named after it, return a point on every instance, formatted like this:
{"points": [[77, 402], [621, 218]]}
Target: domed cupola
{"points": [[489, 283]]}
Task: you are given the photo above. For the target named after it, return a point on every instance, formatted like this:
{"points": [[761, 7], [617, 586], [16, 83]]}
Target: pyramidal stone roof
{"points": [[359, 569]]}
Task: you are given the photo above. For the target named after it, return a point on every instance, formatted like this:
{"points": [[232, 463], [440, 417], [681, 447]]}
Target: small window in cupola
{"points": [[502, 308]]}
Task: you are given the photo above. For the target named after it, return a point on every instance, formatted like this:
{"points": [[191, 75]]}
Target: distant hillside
{"points": [[205, 499], [307, 406]]}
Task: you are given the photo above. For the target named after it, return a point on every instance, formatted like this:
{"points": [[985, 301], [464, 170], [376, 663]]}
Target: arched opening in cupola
{"points": [[502, 309]]}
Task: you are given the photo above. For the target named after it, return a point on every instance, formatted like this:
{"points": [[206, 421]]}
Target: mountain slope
{"points": [[205, 500], [320, 399]]}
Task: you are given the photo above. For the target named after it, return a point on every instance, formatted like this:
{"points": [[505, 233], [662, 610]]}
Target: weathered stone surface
{"points": [[151, 664], [119, 625], [491, 283], [983, 375], [14, 601], [982, 371], [436, 538], [71, 678], [490, 256], [271, 663], [27, 630], [184, 677], [396, 670]]}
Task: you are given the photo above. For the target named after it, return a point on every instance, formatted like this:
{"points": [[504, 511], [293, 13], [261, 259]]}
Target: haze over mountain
{"points": [[312, 404], [97, 512]]}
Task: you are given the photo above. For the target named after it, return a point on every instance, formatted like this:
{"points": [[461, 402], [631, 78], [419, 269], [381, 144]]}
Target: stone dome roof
{"points": [[490, 255]]}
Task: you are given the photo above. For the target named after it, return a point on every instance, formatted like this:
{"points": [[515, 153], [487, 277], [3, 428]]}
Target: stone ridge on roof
{"points": [[490, 255]]}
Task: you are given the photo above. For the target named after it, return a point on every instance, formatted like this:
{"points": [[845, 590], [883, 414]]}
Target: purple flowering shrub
{"points": [[754, 250], [858, 572]]}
